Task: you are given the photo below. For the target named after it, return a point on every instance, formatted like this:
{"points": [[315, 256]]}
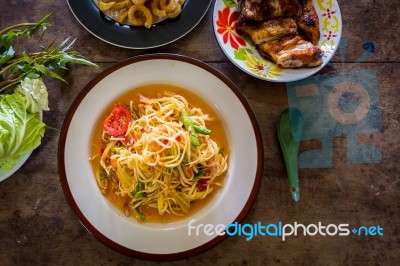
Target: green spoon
{"points": [[290, 130]]}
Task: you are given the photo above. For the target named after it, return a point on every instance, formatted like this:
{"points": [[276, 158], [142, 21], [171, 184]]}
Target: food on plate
{"points": [[140, 15], [291, 52], [280, 8], [140, 12], [23, 93], [251, 11], [307, 21], [283, 31], [269, 30], [158, 157]]}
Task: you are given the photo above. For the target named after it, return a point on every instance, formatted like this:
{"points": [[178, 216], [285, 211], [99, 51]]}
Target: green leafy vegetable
{"points": [[201, 172], [139, 214], [139, 190], [23, 94], [35, 93], [17, 65], [20, 131]]}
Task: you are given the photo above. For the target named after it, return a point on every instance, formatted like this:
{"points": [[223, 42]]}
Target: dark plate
{"points": [[101, 26]]}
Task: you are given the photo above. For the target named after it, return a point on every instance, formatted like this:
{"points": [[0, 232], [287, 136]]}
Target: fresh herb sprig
{"points": [[16, 65], [23, 94]]}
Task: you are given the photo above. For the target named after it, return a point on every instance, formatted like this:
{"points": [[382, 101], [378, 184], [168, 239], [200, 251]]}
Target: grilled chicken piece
{"points": [[251, 11], [269, 30], [280, 8], [307, 21], [292, 52], [261, 10]]}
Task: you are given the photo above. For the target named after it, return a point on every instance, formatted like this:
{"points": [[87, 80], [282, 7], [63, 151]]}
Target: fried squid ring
{"points": [[123, 4], [123, 17], [174, 13], [139, 2], [155, 9], [104, 6], [140, 15], [168, 5]]}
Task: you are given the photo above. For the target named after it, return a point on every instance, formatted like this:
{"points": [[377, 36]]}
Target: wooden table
{"points": [[38, 227]]}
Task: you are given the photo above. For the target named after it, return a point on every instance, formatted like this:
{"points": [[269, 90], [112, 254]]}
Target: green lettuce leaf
{"points": [[36, 95], [20, 131]]}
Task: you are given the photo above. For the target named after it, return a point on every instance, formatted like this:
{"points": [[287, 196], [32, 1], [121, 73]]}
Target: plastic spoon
{"points": [[290, 130]]}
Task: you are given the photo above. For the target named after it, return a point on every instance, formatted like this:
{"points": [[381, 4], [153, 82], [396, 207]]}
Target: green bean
{"points": [[188, 124], [202, 130], [194, 139]]}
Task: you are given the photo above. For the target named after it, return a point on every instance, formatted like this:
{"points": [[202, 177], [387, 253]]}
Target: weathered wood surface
{"points": [[37, 226]]}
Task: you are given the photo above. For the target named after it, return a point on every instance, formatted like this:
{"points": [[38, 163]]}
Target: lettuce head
{"points": [[20, 130], [36, 94]]}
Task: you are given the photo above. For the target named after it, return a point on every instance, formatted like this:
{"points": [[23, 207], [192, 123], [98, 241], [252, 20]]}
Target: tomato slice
{"points": [[129, 141], [116, 123], [202, 184]]}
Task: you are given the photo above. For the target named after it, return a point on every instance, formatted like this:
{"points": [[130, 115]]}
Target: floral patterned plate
{"points": [[243, 54]]}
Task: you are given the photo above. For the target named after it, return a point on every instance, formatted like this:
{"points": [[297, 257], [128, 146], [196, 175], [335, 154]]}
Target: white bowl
{"points": [[160, 241], [6, 174]]}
